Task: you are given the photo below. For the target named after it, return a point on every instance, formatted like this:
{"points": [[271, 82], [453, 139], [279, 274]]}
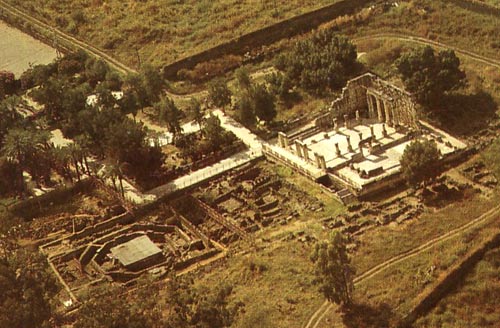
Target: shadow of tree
{"points": [[464, 115], [368, 316]]}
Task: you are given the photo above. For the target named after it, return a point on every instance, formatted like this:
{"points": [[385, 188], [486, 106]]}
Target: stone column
{"points": [[323, 162], [283, 139], [388, 118], [372, 132], [379, 110], [346, 121], [371, 109], [305, 151], [298, 148], [395, 116], [349, 146], [358, 117], [318, 160], [337, 149], [360, 147], [335, 124]]}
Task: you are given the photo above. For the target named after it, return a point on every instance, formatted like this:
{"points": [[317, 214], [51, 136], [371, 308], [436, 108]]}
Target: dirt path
{"points": [[326, 307], [424, 41]]}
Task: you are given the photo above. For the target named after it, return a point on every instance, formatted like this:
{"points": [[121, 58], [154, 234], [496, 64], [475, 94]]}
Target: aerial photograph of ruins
{"points": [[249, 164]]}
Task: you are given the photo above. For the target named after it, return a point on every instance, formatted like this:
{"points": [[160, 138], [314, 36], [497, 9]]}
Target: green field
{"points": [[162, 31]]}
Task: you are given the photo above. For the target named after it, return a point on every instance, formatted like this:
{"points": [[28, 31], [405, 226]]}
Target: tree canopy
{"points": [[321, 63], [419, 162], [218, 93], [27, 287], [429, 76], [333, 269]]}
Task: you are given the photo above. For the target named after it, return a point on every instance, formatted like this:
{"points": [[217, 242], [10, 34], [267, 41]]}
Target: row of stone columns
{"points": [[383, 110], [347, 125], [320, 161]]}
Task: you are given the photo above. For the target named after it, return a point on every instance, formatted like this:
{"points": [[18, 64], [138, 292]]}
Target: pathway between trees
{"points": [[326, 307], [253, 152]]}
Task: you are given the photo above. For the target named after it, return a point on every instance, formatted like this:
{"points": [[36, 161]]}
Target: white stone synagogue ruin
{"points": [[356, 145]]}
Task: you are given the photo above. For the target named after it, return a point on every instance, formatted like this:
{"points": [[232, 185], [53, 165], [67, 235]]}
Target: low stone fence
{"points": [[30, 207], [431, 296]]}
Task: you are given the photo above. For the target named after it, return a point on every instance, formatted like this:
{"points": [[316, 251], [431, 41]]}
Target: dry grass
{"points": [[162, 31], [438, 20], [387, 241], [273, 286], [474, 303]]}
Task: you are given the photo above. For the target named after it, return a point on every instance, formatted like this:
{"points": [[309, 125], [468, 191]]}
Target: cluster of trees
{"points": [[320, 63], [181, 307], [102, 129], [212, 138], [254, 101], [430, 76], [27, 288]]}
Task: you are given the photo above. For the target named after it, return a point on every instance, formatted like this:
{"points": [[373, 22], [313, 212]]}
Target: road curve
{"points": [[318, 316], [429, 42]]}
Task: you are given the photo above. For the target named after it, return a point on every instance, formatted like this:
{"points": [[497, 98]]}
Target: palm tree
{"points": [[62, 158], [76, 154], [85, 144], [114, 171], [30, 148]]}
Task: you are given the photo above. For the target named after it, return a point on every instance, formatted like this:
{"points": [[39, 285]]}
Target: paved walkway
{"points": [[206, 173], [241, 132], [253, 142]]}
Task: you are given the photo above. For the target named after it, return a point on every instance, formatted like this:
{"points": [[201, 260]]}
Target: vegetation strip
{"points": [[424, 41]]}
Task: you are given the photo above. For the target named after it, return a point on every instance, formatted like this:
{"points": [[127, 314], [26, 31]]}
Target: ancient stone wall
{"points": [[268, 35], [370, 96], [353, 96]]}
